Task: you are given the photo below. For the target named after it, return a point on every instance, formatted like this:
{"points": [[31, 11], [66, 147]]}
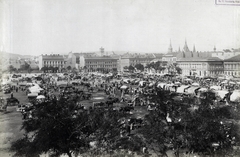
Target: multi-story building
{"points": [[199, 63], [74, 59], [134, 59], [98, 63], [201, 66], [232, 66], [53, 60]]}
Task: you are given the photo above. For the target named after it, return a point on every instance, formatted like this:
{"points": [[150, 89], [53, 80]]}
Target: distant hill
{"points": [[14, 56]]}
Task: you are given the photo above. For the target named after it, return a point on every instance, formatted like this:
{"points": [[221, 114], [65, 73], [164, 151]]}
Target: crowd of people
{"points": [[126, 87]]}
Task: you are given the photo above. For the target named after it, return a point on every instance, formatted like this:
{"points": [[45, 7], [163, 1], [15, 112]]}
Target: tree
{"points": [[131, 68], [62, 127], [44, 69], [25, 66], [11, 69], [139, 67], [85, 68], [114, 70], [177, 125], [179, 70], [126, 67], [55, 128], [63, 69], [75, 70], [69, 68], [55, 69]]}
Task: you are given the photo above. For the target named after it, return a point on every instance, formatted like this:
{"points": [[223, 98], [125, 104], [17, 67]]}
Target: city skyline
{"points": [[45, 27]]}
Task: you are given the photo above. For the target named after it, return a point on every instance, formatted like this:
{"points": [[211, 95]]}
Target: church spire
{"points": [[185, 48], [170, 47], [194, 50]]}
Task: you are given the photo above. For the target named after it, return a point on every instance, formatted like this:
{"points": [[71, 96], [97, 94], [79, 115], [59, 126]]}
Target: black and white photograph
{"points": [[119, 78]]}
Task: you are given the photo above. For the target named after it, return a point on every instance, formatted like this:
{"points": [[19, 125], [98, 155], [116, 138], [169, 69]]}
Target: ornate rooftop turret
{"points": [[194, 50], [185, 48], [170, 48], [214, 49]]}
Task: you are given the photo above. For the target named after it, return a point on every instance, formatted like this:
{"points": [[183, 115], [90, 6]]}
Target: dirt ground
{"points": [[10, 124]]}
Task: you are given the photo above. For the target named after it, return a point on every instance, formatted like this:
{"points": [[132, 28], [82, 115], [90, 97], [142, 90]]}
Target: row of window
{"points": [[216, 72], [213, 67], [140, 61], [95, 66], [191, 65], [54, 62], [169, 59], [232, 66], [47, 65], [99, 62], [232, 73]]}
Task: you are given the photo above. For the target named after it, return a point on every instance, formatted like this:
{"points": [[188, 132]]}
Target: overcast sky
{"points": [[60, 26]]}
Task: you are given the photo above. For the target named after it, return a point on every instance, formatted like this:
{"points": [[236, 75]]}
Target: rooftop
{"points": [[233, 59], [198, 59]]}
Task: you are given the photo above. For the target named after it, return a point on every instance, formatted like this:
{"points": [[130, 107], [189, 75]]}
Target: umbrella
{"points": [[195, 84], [41, 97], [235, 96], [203, 89], [177, 83], [181, 88], [29, 84], [221, 93], [215, 87], [221, 78], [151, 84], [224, 82], [33, 94], [161, 85], [124, 87], [188, 79]]}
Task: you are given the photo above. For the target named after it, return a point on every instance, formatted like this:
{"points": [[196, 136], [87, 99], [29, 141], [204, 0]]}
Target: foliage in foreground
{"points": [[196, 126], [61, 127], [200, 127]]}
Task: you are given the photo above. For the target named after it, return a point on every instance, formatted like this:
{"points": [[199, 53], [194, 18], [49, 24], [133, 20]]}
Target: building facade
{"points": [[53, 60], [170, 57], [201, 67], [232, 66], [133, 59], [98, 63], [199, 63]]}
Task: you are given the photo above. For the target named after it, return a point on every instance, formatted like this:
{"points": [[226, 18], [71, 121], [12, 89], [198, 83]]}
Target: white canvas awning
{"points": [[215, 87], [221, 93], [235, 96], [40, 97], [124, 87]]}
